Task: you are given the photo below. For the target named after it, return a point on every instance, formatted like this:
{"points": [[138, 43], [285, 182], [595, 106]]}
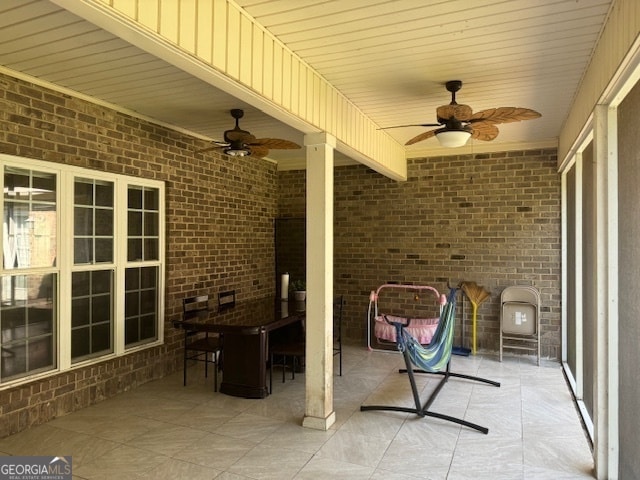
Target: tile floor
{"points": [[163, 430]]}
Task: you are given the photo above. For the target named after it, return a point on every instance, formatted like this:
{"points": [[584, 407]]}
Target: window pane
{"points": [[80, 284], [101, 338], [151, 224], [82, 250], [104, 194], [101, 309], [80, 343], [93, 221], [151, 249], [141, 305], [151, 199], [135, 198], [104, 222], [104, 250], [27, 323], [148, 277], [44, 185], [83, 192], [16, 183], [132, 304], [148, 327], [29, 219], [147, 301], [92, 314], [143, 224], [131, 278], [134, 250], [82, 221], [101, 281], [40, 354], [80, 311], [131, 330], [134, 224]]}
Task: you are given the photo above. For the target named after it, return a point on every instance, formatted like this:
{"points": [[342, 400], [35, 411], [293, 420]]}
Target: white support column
{"points": [[606, 449], [319, 412]]}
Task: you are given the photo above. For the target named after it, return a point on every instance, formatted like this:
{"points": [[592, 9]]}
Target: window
{"points": [[141, 292], [91, 313], [92, 221], [143, 224], [29, 277], [61, 302], [92, 284]]}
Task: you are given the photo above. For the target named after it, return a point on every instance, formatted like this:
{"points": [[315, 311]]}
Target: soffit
{"points": [[390, 58]]}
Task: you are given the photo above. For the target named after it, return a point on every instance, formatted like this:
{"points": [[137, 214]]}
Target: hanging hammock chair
{"points": [[434, 358]]}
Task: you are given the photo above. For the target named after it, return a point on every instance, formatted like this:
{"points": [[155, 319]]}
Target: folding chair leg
{"points": [[215, 371], [270, 374], [184, 381]]}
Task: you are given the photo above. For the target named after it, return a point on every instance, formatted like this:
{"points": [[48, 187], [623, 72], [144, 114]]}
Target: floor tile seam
{"points": [[198, 429], [130, 443], [237, 439], [199, 465], [116, 443], [521, 427], [453, 452], [249, 452], [103, 454]]}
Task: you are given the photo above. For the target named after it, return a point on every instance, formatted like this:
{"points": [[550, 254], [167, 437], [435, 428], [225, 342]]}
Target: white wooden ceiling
{"points": [[391, 58]]}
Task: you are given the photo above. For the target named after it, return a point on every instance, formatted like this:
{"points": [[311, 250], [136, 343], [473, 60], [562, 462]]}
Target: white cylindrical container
{"points": [[284, 286]]}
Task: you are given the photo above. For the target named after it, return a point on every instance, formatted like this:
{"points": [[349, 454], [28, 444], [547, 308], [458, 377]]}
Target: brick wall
{"points": [[219, 228], [489, 218]]}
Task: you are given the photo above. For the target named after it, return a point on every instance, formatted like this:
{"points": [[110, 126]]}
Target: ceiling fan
{"points": [[240, 143], [458, 123]]}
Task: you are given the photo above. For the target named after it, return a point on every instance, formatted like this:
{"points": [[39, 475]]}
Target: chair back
{"points": [[191, 306], [226, 299], [338, 303]]}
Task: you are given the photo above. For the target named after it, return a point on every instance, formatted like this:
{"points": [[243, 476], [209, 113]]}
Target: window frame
{"points": [[65, 178]]}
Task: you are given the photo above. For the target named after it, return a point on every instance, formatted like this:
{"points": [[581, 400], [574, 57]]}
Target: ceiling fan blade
{"points": [[274, 143], [421, 137], [504, 115], [459, 112], [259, 151], [486, 131], [413, 125]]}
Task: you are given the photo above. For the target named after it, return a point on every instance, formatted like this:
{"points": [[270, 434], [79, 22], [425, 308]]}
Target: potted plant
{"points": [[299, 289]]}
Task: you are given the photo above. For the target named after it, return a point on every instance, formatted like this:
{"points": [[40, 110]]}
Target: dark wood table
{"points": [[246, 328]]}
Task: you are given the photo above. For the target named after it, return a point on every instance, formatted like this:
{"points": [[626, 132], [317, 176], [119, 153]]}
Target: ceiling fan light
{"points": [[237, 152], [453, 138]]}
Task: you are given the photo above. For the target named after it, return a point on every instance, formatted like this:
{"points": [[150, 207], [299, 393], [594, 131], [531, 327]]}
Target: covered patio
{"points": [[165, 431]]}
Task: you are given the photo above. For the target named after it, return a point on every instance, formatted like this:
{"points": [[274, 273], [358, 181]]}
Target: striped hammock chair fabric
{"points": [[435, 356]]}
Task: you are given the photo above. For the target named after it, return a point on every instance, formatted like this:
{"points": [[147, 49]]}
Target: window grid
{"points": [[93, 221], [141, 305], [28, 328], [91, 314], [143, 224]]}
